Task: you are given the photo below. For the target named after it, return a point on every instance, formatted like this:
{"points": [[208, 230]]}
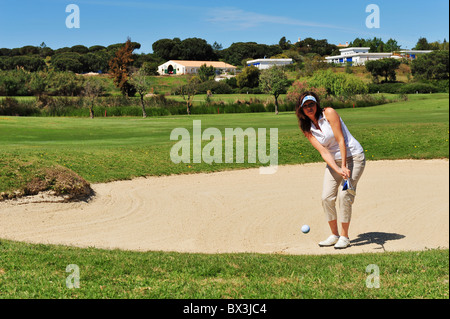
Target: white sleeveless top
{"points": [[325, 136]]}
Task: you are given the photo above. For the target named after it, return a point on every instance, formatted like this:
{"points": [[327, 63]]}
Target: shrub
{"points": [[432, 66], [364, 100], [14, 82], [418, 87], [247, 90], [13, 107], [385, 88], [410, 88], [232, 82], [65, 83], [299, 87], [217, 87], [338, 83], [441, 85]]}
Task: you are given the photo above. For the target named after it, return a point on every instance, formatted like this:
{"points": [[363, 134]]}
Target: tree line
{"points": [[82, 59], [77, 59]]}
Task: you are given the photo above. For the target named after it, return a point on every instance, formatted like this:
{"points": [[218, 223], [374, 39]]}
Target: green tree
{"points": [[422, 44], [96, 48], [45, 51], [29, 63], [189, 49], [150, 68], [94, 62], [359, 43], [79, 49], [29, 50], [167, 49], [274, 81], [196, 49], [239, 51], [140, 81], [93, 88], [217, 46], [284, 44], [65, 83], [431, 66], [5, 52], [188, 91], [38, 84], [67, 64], [249, 77], [206, 73], [375, 44], [320, 47], [14, 82], [391, 46], [67, 61], [383, 67], [313, 64]]}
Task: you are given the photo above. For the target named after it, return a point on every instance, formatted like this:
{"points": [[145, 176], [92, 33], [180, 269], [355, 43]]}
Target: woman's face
{"points": [[309, 108]]}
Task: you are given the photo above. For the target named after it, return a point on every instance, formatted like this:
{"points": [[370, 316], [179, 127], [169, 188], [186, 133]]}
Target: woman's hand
{"points": [[345, 172]]}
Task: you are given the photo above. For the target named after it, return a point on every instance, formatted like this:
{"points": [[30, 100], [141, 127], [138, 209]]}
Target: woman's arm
{"points": [[335, 123], [326, 155]]}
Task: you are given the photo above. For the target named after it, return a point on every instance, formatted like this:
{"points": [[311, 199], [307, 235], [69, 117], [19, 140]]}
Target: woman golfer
{"points": [[345, 161]]}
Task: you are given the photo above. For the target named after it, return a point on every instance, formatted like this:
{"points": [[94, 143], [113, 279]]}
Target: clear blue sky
{"points": [[31, 22]]}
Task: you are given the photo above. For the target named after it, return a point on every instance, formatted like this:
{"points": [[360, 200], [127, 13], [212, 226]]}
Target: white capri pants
{"points": [[332, 187]]}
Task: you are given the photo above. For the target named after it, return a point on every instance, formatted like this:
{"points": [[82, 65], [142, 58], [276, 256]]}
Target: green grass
{"points": [[107, 149], [165, 84], [39, 271]]}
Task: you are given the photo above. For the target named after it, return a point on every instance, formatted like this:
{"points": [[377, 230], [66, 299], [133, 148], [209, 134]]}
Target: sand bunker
{"points": [[400, 205]]}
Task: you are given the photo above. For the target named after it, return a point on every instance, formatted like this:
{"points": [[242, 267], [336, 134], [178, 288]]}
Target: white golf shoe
{"points": [[342, 243], [330, 241]]}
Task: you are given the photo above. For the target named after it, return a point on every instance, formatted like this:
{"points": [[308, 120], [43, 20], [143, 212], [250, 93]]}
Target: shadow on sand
{"points": [[375, 238]]}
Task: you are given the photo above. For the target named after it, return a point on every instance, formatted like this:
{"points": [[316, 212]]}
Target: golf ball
{"points": [[305, 229]]}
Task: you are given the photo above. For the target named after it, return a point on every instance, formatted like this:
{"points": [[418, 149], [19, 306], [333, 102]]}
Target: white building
{"points": [[412, 54], [267, 63], [191, 67], [356, 56], [359, 56]]}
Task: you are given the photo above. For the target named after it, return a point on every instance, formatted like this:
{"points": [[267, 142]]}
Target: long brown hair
{"points": [[303, 121]]}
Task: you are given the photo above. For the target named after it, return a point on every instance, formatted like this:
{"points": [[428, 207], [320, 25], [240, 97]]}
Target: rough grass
{"points": [[40, 271]]}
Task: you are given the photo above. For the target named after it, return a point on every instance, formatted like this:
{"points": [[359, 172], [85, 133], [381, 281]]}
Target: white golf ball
{"points": [[305, 229]]}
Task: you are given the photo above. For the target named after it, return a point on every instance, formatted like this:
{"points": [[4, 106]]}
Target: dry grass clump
{"points": [[60, 181]]}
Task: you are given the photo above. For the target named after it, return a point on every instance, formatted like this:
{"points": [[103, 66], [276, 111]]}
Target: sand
{"points": [[400, 206]]}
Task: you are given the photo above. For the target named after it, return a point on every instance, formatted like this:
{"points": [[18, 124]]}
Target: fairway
{"points": [[108, 149]]}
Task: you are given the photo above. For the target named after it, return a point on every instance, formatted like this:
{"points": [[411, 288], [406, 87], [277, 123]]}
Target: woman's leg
{"points": [[331, 182], [356, 165], [334, 227]]}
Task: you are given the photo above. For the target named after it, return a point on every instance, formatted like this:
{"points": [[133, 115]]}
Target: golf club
{"points": [[348, 187]]}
